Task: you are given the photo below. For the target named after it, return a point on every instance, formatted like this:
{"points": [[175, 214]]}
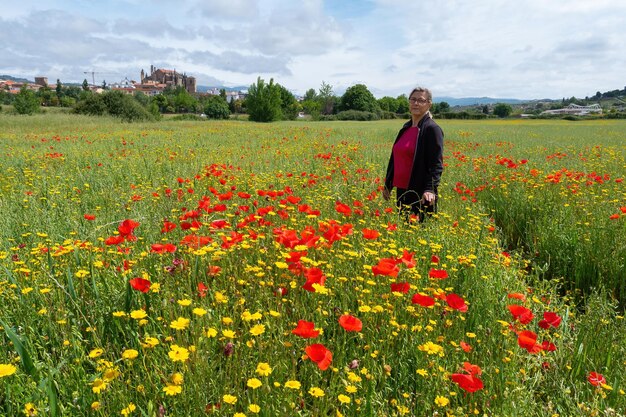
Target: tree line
{"points": [[265, 102]]}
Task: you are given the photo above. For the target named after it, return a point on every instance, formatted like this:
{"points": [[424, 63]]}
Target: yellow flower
{"points": [[229, 334], [178, 354], [422, 372], [177, 378], [316, 392], [138, 314], [292, 384], [186, 302], [229, 399], [110, 374], [150, 342], [30, 410], [172, 389], [7, 369], [254, 383], [257, 330], [131, 407], [253, 408], [26, 290], [220, 298], [211, 332], [199, 311], [98, 385], [95, 405], [441, 401], [263, 369], [95, 353], [343, 399], [351, 389], [180, 323], [431, 348], [227, 321], [119, 314], [239, 415], [155, 287], [81, 273], [130, 354]]}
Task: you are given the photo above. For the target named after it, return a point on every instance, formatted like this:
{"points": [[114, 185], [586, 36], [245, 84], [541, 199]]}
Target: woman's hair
{"points": [[426, 91]]}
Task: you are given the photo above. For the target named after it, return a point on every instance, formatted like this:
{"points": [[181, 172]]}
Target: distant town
{"points": [[150, 84]]}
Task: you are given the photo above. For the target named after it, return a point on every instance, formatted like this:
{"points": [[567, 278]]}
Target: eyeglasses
{"points": [[418, 100]]}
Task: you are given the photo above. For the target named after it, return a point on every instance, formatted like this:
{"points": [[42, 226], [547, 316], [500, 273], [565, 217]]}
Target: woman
{"points": [[416, 161]]}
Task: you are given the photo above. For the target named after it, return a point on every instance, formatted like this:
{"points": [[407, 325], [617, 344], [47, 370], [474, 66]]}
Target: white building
{"points": [[577, 110]]}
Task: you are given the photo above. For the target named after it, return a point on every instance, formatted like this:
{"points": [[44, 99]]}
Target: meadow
{"points": [[239, 269]]}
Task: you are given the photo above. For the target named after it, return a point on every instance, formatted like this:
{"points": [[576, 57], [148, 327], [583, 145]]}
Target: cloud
{"points": [[243, 63]]}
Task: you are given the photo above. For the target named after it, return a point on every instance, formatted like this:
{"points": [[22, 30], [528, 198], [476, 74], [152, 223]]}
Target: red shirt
{"points": [[403, 153]]}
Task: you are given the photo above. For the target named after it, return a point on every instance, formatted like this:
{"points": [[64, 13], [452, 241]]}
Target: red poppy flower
{"points": [[320, 355], [596, 379], [456, 302], [469, 383], [550, 319], [434, 259], [472, 369], [114, 240], [350, 323], [548, 346], [127, 227], [202, 289], [343, 208], [168, 226], [438, 273], [370, 234], [466, 347], [306, 330], [313, 276], [386, 266], [423, 300], [90, 217], [528, 340], [140, 284], [517, 296], [163, 248], [407, 259], [213, 270], [402, 287], [521, 313]]}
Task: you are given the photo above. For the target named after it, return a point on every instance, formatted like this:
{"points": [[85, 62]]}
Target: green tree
{"points": [[216, 108], [85, 85], [388, 104], [26, 102], [502, 109], [59, 89], [327, 98], [289, 106], [403, 104], [358, 97], [444, 107], [263, 101], [310, 94]]}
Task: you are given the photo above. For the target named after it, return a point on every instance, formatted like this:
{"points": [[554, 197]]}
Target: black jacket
{"points": [[428, 159]]}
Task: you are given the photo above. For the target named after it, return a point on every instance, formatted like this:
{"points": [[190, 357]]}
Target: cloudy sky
{"points": [[460, 48]]}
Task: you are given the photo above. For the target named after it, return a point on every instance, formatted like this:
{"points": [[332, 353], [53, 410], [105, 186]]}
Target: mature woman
{"points": [[416, 161]]}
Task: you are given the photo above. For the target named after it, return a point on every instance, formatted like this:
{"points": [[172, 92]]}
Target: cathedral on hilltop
{"points": [[169, 78]]}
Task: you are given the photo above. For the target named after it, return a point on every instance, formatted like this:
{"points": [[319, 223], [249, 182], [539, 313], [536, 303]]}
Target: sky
{"points": [[525, 49]]}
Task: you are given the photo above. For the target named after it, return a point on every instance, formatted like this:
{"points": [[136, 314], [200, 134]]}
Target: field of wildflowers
{"points": [[240, 269]]}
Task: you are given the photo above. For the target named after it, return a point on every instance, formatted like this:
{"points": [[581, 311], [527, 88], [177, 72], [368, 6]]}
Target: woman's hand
{"points": [[428, 198], [386, 194]]}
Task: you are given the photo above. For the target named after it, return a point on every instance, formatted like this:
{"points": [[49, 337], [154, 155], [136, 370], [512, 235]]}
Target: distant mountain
{"points": [[205, 88], [17, 80], [470, 101]]}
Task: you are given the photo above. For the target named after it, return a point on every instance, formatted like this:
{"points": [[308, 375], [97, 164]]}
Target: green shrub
{"points": [[216, 108], [187, 117], [116, 104], [357, 115]]}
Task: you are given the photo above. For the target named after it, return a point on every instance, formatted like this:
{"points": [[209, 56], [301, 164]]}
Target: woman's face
{"points": [[419, 104]]}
